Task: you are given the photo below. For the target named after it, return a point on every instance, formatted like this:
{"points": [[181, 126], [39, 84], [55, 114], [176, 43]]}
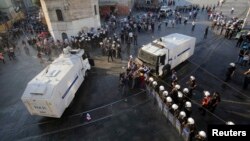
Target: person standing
{"points": [[192, 85], [201, 136], [185, 21], [153, 27], [230, 72], [174, 76], [173, 23], [2, 57], [166, 24], [246, 79], [205, 102], [206, 32], [245, 59], [110, 54], [215, 100], [232, 10], [240, 56], [239, 42], [193, 26], [135, 39], [130, 36]]}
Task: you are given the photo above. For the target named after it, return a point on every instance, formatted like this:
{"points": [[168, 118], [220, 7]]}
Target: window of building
{"points": [[59, 15], [95, 10]]}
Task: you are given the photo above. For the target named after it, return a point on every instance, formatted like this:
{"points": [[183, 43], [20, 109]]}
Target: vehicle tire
{"points": [[166, 70], [87, 73]]}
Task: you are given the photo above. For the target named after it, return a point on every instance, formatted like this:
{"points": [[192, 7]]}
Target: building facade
{"points": [[12, 11], [119, 7], [66, 18]]}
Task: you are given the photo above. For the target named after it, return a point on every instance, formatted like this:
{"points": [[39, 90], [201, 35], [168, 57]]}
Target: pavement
{"points": [[127, 114]]}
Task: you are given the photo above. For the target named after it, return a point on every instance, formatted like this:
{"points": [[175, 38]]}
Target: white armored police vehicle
{"points": [[53, 89], [167, 52]]}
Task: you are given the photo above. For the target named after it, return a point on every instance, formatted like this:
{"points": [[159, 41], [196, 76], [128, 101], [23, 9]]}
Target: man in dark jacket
{"points": [[110, 54], [230, 72], [215, 100], [206, 31]]}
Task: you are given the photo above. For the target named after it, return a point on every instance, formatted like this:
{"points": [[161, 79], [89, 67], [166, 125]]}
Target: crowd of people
{"points": [[179, 102]]}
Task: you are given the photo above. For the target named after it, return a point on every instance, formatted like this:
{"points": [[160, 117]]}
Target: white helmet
{"points": [[182, 114], [188, 104], [169, 99], [151, 79], [230, 123], [175, 106], [206, 93], [190, 120], [202, 134], [192, 77], [154, 83], [232, 64], [185, 90], [180, 95], [177, 87], [165, 93], [161, 88]]}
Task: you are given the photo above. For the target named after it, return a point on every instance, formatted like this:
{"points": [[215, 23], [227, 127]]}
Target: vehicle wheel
{"points": [[87, 73], [166, 70]]}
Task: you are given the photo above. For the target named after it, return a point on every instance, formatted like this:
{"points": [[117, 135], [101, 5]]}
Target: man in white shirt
{"points": [[130, 34]]}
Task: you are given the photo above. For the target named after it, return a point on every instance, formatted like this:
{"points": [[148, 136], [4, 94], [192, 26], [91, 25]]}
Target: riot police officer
{"points": [[169, 101], [174, 110], [230, 71], [174, 93], [192, 85], [188, 108], [192, 127], [164, 95], [201, 136], [182, 118], [180, 100], [186, 94]]}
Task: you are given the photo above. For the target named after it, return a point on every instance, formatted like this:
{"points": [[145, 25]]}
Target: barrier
{"points": [[159, 101], [153, 93], [185, 134], [178, 126], [171, 118], [148, 89], [165, 111]]}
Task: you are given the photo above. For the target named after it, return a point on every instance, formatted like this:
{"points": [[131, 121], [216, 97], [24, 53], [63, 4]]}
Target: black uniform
{"points": [[229, 73], [110, 54], [214, 101]]}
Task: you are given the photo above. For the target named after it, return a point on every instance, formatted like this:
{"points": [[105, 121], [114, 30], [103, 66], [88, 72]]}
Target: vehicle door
{"points": [[161, 62]]}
